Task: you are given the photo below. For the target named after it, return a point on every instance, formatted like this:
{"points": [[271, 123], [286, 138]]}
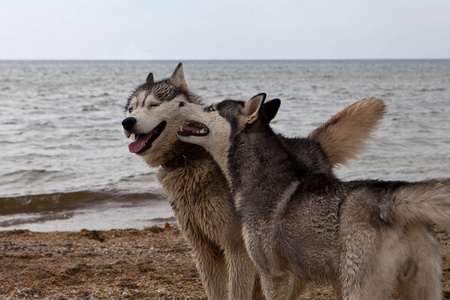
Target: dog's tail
{"points": [[345, 134], [427, 201]]}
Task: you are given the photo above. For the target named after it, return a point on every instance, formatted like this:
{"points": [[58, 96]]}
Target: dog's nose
{"points": [[129, 123], [181, 104]]}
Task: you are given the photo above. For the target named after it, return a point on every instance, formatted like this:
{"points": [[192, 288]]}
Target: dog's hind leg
{"points": [[420, 277], [370, 262]]}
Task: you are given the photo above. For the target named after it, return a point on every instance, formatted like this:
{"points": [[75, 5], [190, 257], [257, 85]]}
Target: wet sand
{"points": [[153, 263]]}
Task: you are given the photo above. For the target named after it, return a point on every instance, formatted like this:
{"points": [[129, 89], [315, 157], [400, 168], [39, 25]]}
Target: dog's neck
{"points": [[186, 158], [220, 154], [257, 158]]}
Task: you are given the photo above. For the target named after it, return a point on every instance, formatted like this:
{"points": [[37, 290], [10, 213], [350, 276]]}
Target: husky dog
{"points": [[198, 191], [363, 237]]}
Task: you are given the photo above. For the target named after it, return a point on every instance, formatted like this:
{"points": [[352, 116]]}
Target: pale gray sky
{"points": [[210, 29]]}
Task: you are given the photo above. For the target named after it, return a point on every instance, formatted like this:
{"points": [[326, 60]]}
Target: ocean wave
{"points": [[34, 218], [24, 178], [432, 90], [57, 202]]}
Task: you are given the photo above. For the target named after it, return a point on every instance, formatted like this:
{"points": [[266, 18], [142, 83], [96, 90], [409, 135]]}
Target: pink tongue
{"points": [[139, 143], [188, 128]]}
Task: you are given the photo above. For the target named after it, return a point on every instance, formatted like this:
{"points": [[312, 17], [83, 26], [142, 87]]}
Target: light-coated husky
{"points": [[300, 223], [198, 191]]}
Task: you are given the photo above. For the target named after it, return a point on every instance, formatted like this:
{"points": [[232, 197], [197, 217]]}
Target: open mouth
{"points": [[193, 128], [143, 142]]}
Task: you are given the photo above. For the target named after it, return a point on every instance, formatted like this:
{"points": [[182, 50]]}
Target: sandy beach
{"points": [[153, 263]]}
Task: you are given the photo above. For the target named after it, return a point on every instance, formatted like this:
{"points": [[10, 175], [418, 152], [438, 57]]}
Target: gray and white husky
{"points": [[197, 189], [363, 237]]}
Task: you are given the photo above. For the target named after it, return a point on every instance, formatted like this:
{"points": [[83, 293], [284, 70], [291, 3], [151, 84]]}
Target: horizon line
{"points": [[227, 59]]}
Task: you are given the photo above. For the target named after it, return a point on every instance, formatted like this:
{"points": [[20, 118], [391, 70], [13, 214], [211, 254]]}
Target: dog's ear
{"points": [[178, 77], [253, 107], [150, 80], [270, 109]]}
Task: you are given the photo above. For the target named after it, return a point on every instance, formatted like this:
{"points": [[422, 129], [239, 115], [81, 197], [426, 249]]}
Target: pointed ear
{"points": [[270, 109], [253, 106], [178, 77], [150, 80]]}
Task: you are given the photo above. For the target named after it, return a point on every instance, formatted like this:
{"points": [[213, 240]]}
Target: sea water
{"points": [[64, 161]]}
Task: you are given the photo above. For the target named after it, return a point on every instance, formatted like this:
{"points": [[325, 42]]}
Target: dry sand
{"points": [[153, 263]]}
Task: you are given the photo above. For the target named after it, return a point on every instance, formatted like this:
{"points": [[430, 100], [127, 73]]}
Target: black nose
{"points": [[181, 104], [129, 123]]}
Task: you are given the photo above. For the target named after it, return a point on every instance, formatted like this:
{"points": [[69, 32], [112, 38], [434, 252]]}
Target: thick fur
{"points": [[343, 142], [198, 191], [363, 237]]}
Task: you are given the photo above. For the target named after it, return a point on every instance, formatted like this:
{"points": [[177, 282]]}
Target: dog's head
{"points": [[151, 118], [215, 126]]}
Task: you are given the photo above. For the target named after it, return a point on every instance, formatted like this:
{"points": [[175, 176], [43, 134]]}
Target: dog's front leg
{"points": [[212, 267], [242, 274], [298, 288], [277, 287]]}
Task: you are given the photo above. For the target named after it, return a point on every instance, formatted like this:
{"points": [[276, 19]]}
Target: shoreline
{"points": [[152, 263]]}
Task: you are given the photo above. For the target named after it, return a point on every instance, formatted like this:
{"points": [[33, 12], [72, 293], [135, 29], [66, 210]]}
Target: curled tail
{"points": [[423, 201], [345, 134]]}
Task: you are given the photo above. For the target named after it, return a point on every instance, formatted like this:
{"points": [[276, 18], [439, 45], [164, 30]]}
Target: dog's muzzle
{"points": [[142, 140]]}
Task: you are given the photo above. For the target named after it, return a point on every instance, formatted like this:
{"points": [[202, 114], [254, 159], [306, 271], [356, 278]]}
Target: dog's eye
{"points": [[210, 108], [153, 105], [130, 110]]}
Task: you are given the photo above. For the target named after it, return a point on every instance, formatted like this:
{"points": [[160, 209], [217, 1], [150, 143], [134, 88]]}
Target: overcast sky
{"points": [[210, 29]]}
